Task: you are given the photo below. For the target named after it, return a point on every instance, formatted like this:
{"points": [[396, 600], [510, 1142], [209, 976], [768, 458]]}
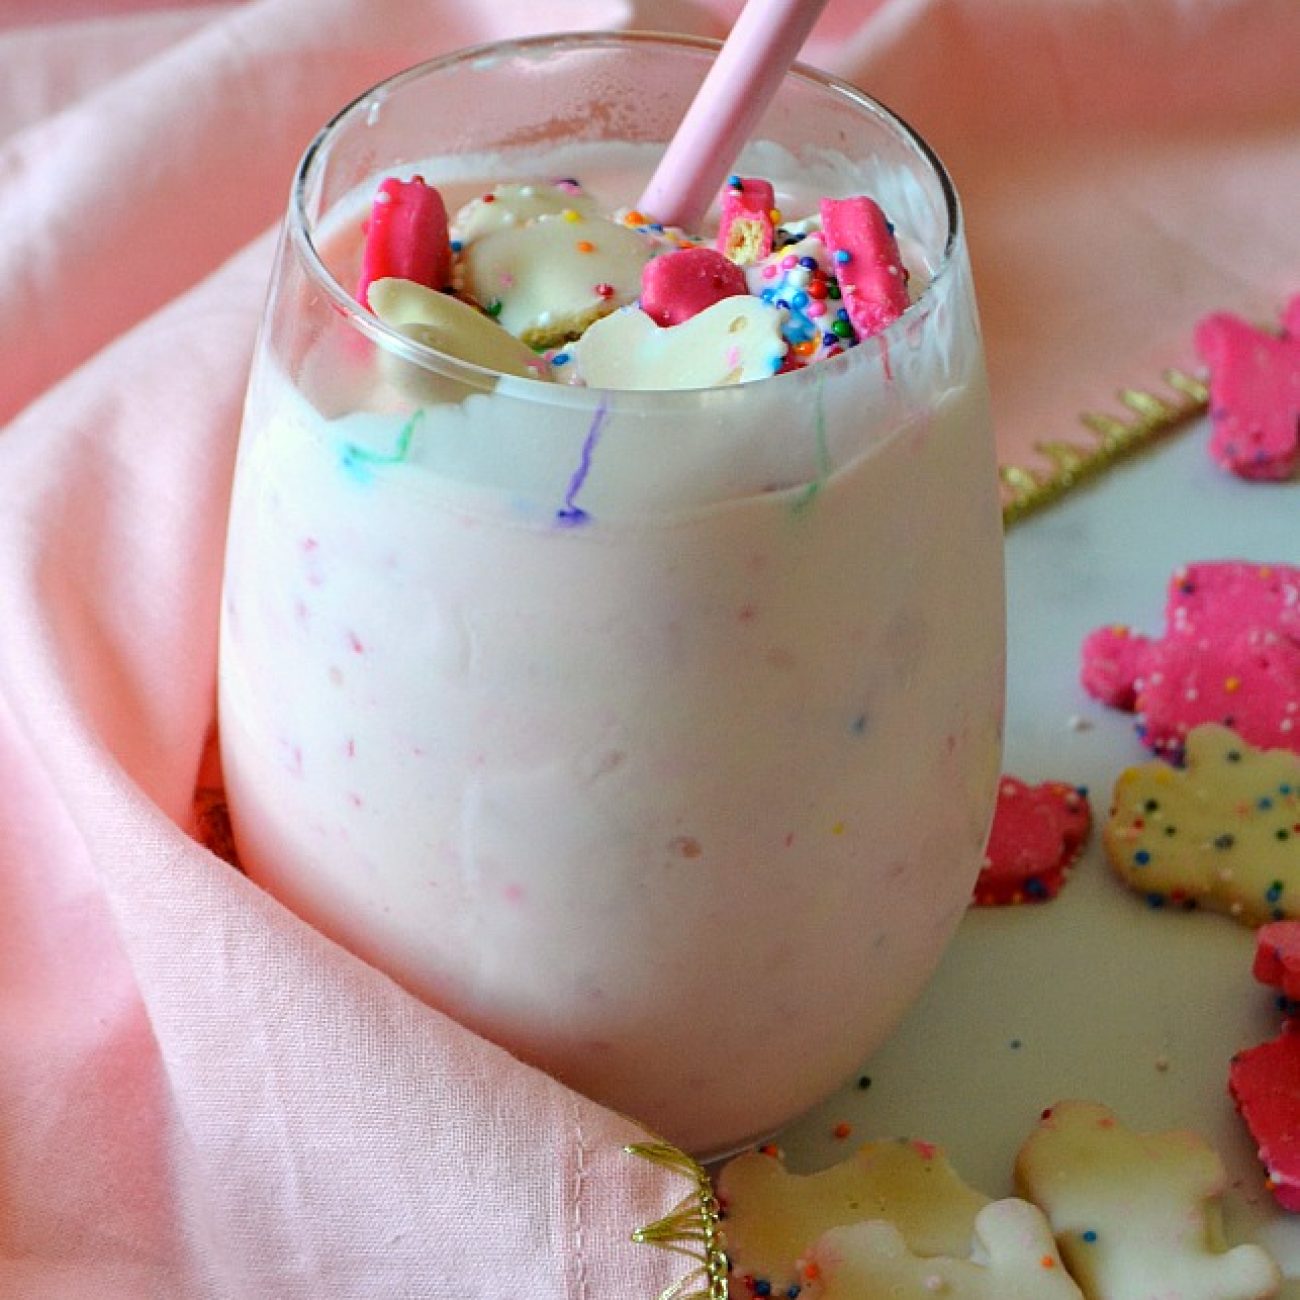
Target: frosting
{"points": [[731, 342]]}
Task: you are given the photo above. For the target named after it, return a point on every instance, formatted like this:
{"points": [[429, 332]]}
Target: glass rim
{"points": [[485, 379]]}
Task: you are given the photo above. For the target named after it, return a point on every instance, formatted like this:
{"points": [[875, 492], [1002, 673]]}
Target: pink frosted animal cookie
{"points": [[407, 237], [1254, 393], [1277, 958], [1230, 654], [1137, 1215], [747, 226], [1013, 1257], [867, 262], [1265, 1083], [680, 284], [774, 1218], [1038, 833]]}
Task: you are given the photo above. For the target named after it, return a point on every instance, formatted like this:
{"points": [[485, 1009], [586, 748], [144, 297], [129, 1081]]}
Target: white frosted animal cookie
{"points": [[546, 280], [1013, 1257], [1136, 1215], [774, 1218], [445, 323], [518, 204], [734, 340]]}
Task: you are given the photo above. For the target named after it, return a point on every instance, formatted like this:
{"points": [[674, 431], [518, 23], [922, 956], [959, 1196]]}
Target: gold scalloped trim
{"points": [[692, 1228], [1026, 490]]}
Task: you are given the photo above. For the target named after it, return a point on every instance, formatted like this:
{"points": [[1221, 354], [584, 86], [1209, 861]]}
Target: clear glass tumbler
{"points": [[653, 735]]}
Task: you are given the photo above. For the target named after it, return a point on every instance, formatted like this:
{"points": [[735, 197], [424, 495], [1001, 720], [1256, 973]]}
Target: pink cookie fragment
{"points": [[867, 262], [1037, 835], [1277, 957], [678, 285], [407, 237], [1254, 393], [747, 231], [1265, 1083], [1230, 654]]}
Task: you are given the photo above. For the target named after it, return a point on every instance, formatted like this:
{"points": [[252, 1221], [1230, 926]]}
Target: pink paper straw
{"points": [[741, 83]]}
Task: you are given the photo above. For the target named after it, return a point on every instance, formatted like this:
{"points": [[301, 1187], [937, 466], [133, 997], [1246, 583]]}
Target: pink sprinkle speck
{"points": [[355, 642], [815, 309], [513, 893]]}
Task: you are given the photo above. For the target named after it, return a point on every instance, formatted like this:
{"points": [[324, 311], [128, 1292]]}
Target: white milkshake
{"points": [[652, 735]]}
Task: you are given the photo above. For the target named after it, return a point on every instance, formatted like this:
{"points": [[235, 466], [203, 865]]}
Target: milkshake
{"points": [[652, 734]]}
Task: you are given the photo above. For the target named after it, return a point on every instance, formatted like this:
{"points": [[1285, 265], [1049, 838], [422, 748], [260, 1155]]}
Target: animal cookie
{"points": [[1013, 1258], [1224, 832], [731, 342], [680, 284], [1136, 1215], [773, 1218], [1277, 959], [1265, 1083], [406, 237], [1038, 833], [1254, 393], [747, 228], [1230, 654], [871, 273]]}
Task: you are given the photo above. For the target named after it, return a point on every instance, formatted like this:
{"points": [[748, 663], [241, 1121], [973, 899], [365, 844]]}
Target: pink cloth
{"points": [[199, 1096]]}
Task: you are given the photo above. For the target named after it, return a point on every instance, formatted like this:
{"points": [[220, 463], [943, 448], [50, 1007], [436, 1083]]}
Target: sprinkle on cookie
{"points": [[1224, 833]]}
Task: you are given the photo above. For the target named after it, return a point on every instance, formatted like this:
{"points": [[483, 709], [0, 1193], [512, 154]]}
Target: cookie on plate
{"points": [[1136, 1215], [1265, 1083], [1277, 960], [1254, 393], [1223, 832], [1013, 1258], [773, 1217], [1230, 654], [1037, 835]]}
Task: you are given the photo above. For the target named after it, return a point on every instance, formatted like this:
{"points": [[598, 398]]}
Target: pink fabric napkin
{"points": [[200, 1096]]}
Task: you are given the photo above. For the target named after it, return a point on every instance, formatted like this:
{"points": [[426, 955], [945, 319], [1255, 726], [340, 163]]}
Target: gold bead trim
{"points": [[1025, 490], [692, 1228]]}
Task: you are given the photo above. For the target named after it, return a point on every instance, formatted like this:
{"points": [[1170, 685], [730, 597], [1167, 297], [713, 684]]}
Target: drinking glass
{"points": [[652, 735]]}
